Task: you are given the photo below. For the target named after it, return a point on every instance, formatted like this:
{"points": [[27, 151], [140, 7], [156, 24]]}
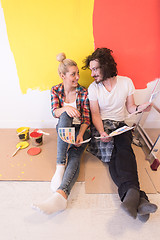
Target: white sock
{"points": [[56, 203], [57, 178]]}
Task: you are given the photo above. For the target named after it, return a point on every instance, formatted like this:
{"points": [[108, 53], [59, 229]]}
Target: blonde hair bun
{"points": [[60, 57]]}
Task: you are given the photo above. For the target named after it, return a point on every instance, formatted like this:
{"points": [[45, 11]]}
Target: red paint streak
{"points": [[93, 178], [34, 151], [132, 30]]}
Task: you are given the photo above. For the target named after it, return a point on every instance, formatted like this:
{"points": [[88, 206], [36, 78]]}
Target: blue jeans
{"points": [[73, 153]]}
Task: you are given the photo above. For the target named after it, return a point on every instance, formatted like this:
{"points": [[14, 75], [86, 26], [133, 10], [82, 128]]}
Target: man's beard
{"points": [[99, 81]]}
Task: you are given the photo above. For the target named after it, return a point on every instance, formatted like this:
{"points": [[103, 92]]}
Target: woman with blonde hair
{"points": [[70, 104]]}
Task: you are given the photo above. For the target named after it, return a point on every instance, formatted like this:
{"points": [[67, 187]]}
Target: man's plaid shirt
{"points": [[82, 102]]}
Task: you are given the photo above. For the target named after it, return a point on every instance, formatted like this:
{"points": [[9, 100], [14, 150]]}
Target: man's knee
{"points": [[124, 139]]}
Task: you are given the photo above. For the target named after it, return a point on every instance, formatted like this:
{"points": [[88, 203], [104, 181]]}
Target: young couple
{"points": [[107, 98]]}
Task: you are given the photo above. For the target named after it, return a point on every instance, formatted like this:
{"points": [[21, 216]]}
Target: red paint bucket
{"points": [[37, 138]]}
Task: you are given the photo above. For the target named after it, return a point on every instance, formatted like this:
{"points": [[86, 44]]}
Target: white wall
{"points": [[32, 109], [17, 109]]}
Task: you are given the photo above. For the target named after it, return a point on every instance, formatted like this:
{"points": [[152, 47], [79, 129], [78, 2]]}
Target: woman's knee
{"points": [[65, 120], [65, 116]]}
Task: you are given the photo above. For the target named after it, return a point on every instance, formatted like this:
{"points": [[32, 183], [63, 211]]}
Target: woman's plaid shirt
{"points": [[82, 102]]}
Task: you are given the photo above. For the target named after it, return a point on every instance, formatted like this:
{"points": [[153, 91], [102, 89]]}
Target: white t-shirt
{"points": [[112, 104], [73, 104]]}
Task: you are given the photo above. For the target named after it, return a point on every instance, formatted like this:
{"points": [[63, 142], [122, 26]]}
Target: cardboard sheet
{"points": [[42, 166], [98, 180], [25, 167], [97, 177]]}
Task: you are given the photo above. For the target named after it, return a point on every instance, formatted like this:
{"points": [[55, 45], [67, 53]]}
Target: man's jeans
{"points": [[72, 153], [123, 166]]}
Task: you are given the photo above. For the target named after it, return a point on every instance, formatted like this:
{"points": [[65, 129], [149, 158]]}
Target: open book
{"points": [[153, 96], [118, 131], [68, 135]]}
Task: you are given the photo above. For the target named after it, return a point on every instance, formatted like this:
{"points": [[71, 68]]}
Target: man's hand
{"points": [[105, 137], [146, 107]]}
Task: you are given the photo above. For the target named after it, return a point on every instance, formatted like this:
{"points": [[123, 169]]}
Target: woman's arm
{"points": [[85, 116], [85, 109], [57, 110], [82, 130], [71, 111]]}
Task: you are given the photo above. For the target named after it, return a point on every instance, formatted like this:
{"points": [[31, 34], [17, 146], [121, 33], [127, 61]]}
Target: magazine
{"points": [[153, 96], [118, 131], [68, 135]]}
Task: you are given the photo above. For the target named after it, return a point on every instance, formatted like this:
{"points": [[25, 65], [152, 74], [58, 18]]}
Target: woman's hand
{"points": [[72, 112], [105, 137], [79, 139]]}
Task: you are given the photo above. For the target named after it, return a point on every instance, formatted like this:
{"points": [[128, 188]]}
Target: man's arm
{"points": [[96, 117], [130, 104], [97, 121], [132, 107]]}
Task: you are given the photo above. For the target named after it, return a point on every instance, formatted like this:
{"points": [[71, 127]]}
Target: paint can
{"points": [[23, 133], [37, 138]]}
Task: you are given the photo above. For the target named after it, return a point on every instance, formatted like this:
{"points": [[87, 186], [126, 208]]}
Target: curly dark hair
{"points": [[107, 63]]}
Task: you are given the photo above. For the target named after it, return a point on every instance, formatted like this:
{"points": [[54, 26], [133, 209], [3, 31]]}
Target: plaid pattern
{"points": [[103, 150], [82, 102]]}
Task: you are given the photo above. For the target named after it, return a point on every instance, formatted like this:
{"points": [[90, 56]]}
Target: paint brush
{"points": [[40, 131], [16, 151], [21, 131]]}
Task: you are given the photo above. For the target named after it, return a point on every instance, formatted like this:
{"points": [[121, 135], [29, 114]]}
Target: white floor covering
{"points": [[88, 216]]}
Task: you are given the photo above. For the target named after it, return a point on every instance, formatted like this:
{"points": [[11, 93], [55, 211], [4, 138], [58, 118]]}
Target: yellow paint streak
{"points": [[39, 30]]}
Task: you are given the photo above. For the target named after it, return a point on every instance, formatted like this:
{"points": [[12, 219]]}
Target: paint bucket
{"points": [[37, 138], [23, 133]]}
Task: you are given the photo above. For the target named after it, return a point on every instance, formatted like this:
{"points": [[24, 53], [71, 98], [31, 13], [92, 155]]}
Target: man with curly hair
{"points": [[109, 96]]}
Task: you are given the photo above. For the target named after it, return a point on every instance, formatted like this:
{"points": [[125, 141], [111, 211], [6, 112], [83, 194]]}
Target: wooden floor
{"points": [[152, 133]]}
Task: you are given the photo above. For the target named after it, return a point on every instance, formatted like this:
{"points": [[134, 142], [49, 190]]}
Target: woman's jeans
{"points": [[72, 152], [123, 166]]}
